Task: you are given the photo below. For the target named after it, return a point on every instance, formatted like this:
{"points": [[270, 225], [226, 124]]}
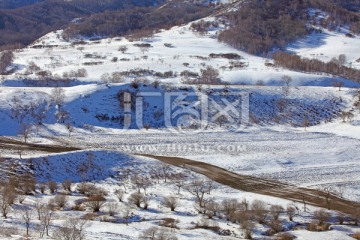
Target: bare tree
{"points": [[59, 201], [321, 216], [155, 233], [136, 198], [165, 168], [58, 96], [338, 84], [286, 80], [290, 211], [95, 202], [21, 198], [275, 211], [52, 186], [126, 214], [197, 188], [39, 206], [5, 206], [170, 202], [229, 207], [46, 218], [113, 208], [27, 217], [25, 131], [70, 128], [212, 208], [72, 229], [123, 49], [67, 185], [260, 211], [119, 193]]}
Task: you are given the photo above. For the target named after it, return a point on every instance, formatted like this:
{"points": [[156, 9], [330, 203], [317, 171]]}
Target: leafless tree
{"points": [[58, 96], [260, 210], [72, 229], [229, 207], [27, 217], [66, 184], [120, 194], [155, 233], [248, 227], [165, 168], [21, 198], [275, 211], [39, 206], [123, 49], [338, 84], [170, 202], [126, 214], [70, 128], [113, 208], [95, 202], [286, 80], [210, 75], [52, 186], [136, 198], [46, 217], [197, 188], [321, 216], [5, 206], [290, 211], [59, 201], [25, 131], [212, 208]]}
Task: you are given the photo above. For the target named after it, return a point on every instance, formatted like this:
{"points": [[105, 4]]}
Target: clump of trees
{"points": [[335, 66], [257, 27], [6, 59]]}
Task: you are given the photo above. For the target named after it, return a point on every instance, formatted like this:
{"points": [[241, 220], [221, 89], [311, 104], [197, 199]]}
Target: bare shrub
{"points": [[247, 226], [73, 229], [67, 185], [59, 201], [52, 186], [356, 236], [285, 236], [113, 208], [169, 222], [119, 193], [212, 208], [197, 188], [275, 211], [156, 233], [95, 202], [259, 210], [136, 198], [8, 232], [27, 217], [42, 187], [5, 206], [170, 202], [290, 211], [21, 198], [229, 207], [321, 216]]}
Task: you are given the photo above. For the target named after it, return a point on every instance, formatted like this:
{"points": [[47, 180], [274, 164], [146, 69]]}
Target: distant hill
{"points": [[12, 4], [26, 24]]}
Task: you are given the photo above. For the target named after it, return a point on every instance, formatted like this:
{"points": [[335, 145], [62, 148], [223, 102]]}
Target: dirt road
{"points": [[262, 186], [11, 144]]}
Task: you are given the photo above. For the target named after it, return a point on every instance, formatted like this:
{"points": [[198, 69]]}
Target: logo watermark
{"points": [[190, 112]]}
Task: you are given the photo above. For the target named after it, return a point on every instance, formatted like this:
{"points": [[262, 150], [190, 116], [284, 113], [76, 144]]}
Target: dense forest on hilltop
{"points": [[26, 24], [259, 26]]}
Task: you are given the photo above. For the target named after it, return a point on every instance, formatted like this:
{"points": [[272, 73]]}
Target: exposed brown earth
{"points": [[11, 144], [262, 186]]}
